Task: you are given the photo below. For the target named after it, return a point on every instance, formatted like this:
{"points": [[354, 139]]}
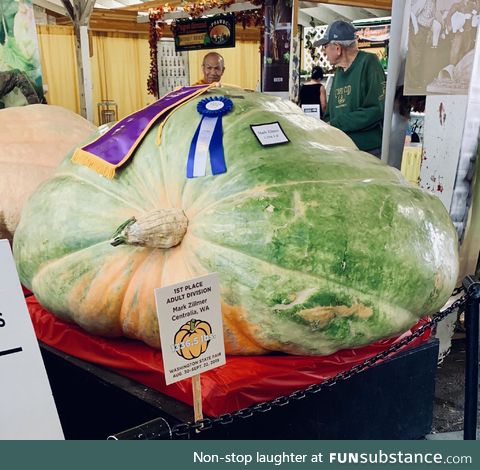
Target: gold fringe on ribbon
{"points": [[81, 157], [90, 160], [158, 138]]}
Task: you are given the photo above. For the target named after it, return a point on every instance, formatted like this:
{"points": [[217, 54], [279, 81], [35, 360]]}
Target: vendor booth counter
{"points": [[120, 388]]}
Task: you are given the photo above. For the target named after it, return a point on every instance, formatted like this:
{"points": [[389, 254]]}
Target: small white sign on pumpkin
{"points": [[269, 134], [27, 408], [312, 110], [191, 327]]}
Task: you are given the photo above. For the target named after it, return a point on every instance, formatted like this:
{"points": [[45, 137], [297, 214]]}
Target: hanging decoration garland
{"points": [[155, 33], [314, 52], [195, 10], [153, 38]]}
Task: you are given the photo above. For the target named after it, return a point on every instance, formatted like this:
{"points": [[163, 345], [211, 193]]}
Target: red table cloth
{"points": [[243, 381]]}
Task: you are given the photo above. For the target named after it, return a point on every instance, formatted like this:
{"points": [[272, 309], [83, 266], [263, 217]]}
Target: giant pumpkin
{"points": [[318, 246], [33, 141]]}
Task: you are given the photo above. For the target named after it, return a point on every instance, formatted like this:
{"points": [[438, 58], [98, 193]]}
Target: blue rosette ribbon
{"points": [[208, 138]]}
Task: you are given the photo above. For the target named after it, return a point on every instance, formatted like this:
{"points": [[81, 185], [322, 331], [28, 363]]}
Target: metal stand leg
{"points": [[472, 288], [157, 429]]}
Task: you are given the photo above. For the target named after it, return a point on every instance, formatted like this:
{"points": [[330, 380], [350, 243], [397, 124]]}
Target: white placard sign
{"points": [[269, 134], [27, 408], [311, 110], [191, 327]]}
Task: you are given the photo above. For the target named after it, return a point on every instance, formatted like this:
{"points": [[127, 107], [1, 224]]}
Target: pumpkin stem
{"points": [[118, 236], [163, 228], [192, 325]]}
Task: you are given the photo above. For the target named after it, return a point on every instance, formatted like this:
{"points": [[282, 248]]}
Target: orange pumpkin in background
{"points": [[34, 139]]}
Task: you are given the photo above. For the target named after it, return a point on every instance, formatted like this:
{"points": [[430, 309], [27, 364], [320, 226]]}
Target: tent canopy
{"points": [[315, 12]]}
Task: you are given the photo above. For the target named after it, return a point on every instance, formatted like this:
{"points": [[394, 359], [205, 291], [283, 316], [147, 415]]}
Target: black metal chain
{"points": [[184, 429]]}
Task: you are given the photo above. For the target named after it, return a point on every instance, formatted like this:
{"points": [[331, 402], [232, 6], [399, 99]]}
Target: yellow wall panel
{"points": [[120, 65], [59, 72], [242, 64]]}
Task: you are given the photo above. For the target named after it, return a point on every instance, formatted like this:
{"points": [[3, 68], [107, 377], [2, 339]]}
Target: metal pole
{"points": [[472, 288], [157, 429]]}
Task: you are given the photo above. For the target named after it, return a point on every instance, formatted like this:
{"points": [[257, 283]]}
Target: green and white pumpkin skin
{"points": [[318, 245]]}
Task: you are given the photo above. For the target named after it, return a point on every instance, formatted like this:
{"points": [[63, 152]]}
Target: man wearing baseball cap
{"points": [[357, 95]]}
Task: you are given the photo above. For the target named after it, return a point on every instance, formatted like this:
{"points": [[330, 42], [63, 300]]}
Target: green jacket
{"points": [[357, 100]]}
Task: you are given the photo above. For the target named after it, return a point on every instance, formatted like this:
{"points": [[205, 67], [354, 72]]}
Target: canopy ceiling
{"points": [[57, 6], [311, 12]]}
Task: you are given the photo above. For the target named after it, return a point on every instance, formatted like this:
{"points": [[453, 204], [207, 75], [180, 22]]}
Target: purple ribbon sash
{"points": [[112, 149]]}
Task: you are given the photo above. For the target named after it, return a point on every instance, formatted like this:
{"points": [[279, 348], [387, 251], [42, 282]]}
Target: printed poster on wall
{"points": [[373, 35], [375, 38], [276, 46], [205, 33], [20, 73], [441, 46]]}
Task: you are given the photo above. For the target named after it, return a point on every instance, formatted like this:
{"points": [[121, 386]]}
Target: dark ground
{"points": [[450, 391]]}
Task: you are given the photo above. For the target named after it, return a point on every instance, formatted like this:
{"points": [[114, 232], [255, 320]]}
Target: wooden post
{"points": [[197, 397], [79, 12]]}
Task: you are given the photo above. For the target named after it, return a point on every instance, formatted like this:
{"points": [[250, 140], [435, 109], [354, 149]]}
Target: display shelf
{"points": [[392, 400], [94, 402]]}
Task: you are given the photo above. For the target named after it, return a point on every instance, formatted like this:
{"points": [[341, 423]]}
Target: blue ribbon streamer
{"points": [[217, 156], [215, 148]]}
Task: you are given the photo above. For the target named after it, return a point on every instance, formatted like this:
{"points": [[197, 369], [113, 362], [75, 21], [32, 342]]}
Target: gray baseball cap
{"points": [[339, 30]]}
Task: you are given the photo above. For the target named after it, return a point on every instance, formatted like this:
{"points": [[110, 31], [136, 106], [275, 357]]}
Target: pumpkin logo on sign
{"points": [[192, 339], [219, 32]]}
